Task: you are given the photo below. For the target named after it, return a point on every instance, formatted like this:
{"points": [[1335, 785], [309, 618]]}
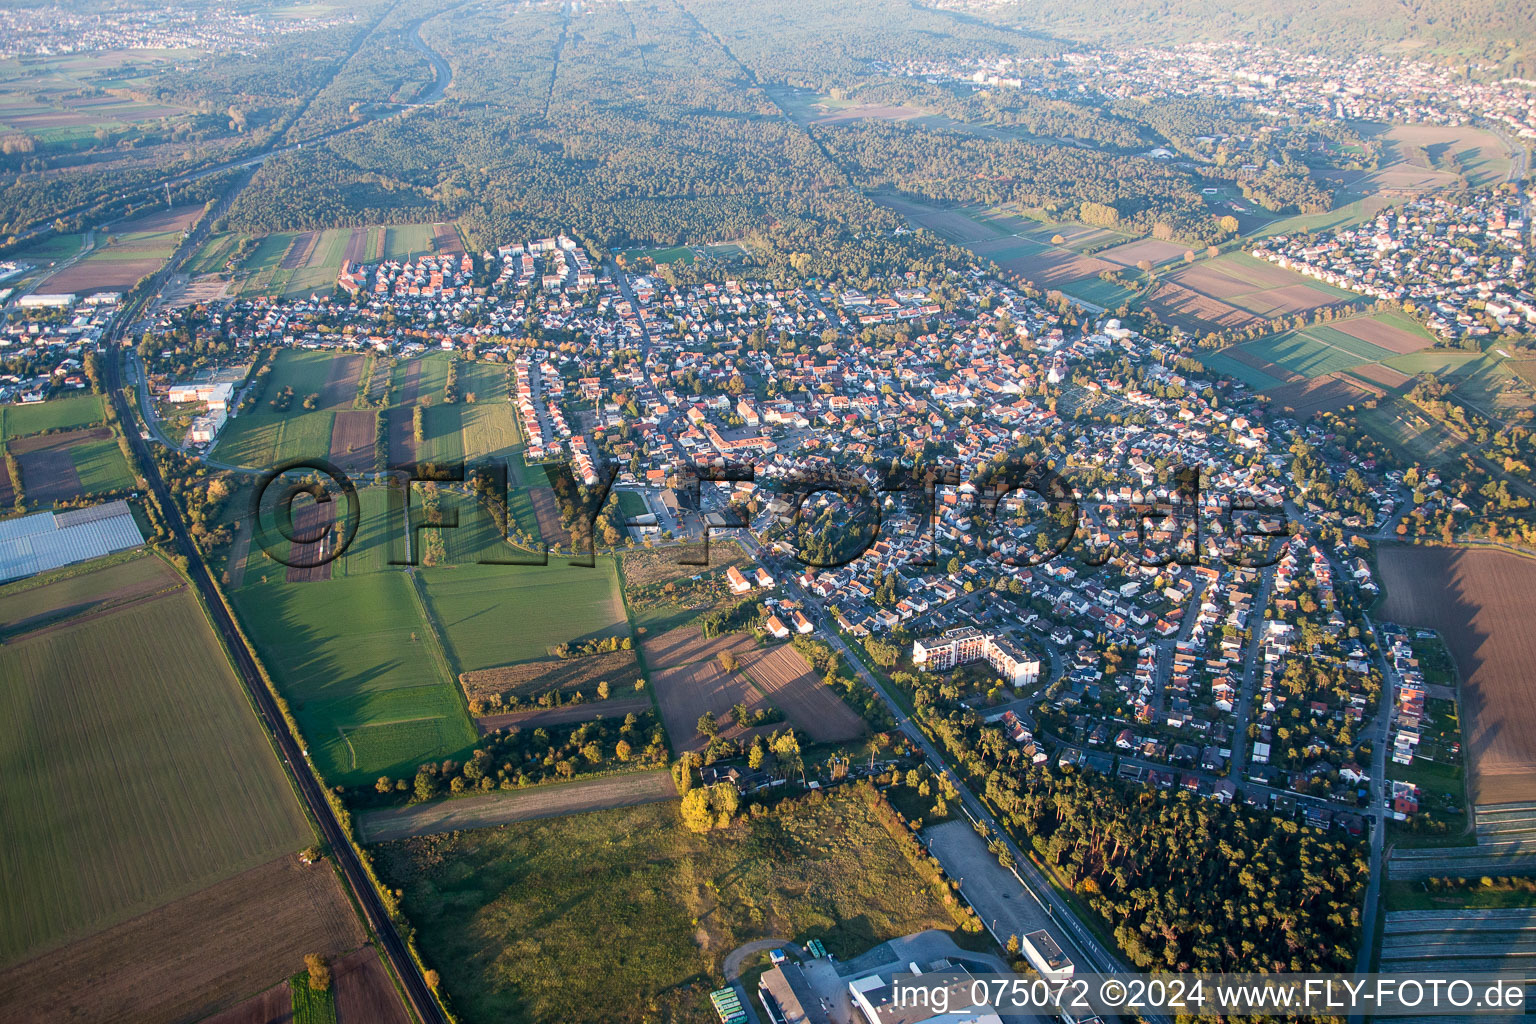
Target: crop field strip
{"points": [[118, 806], [209, 949]]}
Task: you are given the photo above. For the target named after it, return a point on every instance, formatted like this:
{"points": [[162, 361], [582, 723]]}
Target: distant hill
{"points": [[1500, 30]]}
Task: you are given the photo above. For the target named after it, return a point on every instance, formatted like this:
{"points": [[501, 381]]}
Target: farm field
{"points": [[130, 250], [1483, 157], [1478, 600], [108, 820], [1255, 287], [263, 436], [210, 949], [55, 414], [1411, 431], [500, 614], [507, 915], [359, 666], [1317, 350], [71, 464]]}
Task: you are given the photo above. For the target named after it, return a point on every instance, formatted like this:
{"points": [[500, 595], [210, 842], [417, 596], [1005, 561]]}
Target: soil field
{"points": [[352, 439], [340, 386], [689, 680], [790, 685], [532, 678], [298, 250], [357, 246], [687, 691], [546, 801], [445, 238], [1254, 286], [99, 274], [410, 382], [207, 950], [1042, 264], [67, 465], [314, 539], [1184, 307], [26, 608], [1480, 601], [587, 711], [1378, 332], [1385, 376], [686, 645], [274, 1006], [47, 477], [1155, 250], [402, 440], [7, 491], [1331, 392], [107, 819], [364, 992]]}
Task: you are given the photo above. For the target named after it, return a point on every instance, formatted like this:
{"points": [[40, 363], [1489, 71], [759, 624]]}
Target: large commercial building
{"points": [[966, 644]]}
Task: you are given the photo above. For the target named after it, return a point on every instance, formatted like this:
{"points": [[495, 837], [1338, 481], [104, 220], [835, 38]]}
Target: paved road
{"points": [[1074, 938], [547, 801]]}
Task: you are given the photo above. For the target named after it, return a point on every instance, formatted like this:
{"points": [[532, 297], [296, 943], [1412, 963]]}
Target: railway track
{"points": [[418, 995]]}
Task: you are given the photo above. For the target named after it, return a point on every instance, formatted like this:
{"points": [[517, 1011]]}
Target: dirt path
{"points": [[548, 801]]}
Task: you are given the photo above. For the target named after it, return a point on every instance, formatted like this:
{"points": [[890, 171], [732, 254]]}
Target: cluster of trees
{"points": [[1189, 884], [509, 759]]}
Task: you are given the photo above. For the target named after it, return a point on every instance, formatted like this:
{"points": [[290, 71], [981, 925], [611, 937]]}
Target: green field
{"points": [[262, 436], [1317, 350], [116, 799], [259, 438], [260, 269], [212, 255], [101, 466], [358, 664], [317, 274], [499, 615], [1220, 362], [508, 915], [311, 1006], [674, 254], [1410, 431], [402, 241], [55, 414], [631, 504]]}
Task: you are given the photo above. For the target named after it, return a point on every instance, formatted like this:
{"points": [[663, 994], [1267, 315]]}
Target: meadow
{"points": [[55, 414], [116, 799], [101, 466], [1316, 350], [262, 436], [498, 615], [359, 666], [508, 915]]}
